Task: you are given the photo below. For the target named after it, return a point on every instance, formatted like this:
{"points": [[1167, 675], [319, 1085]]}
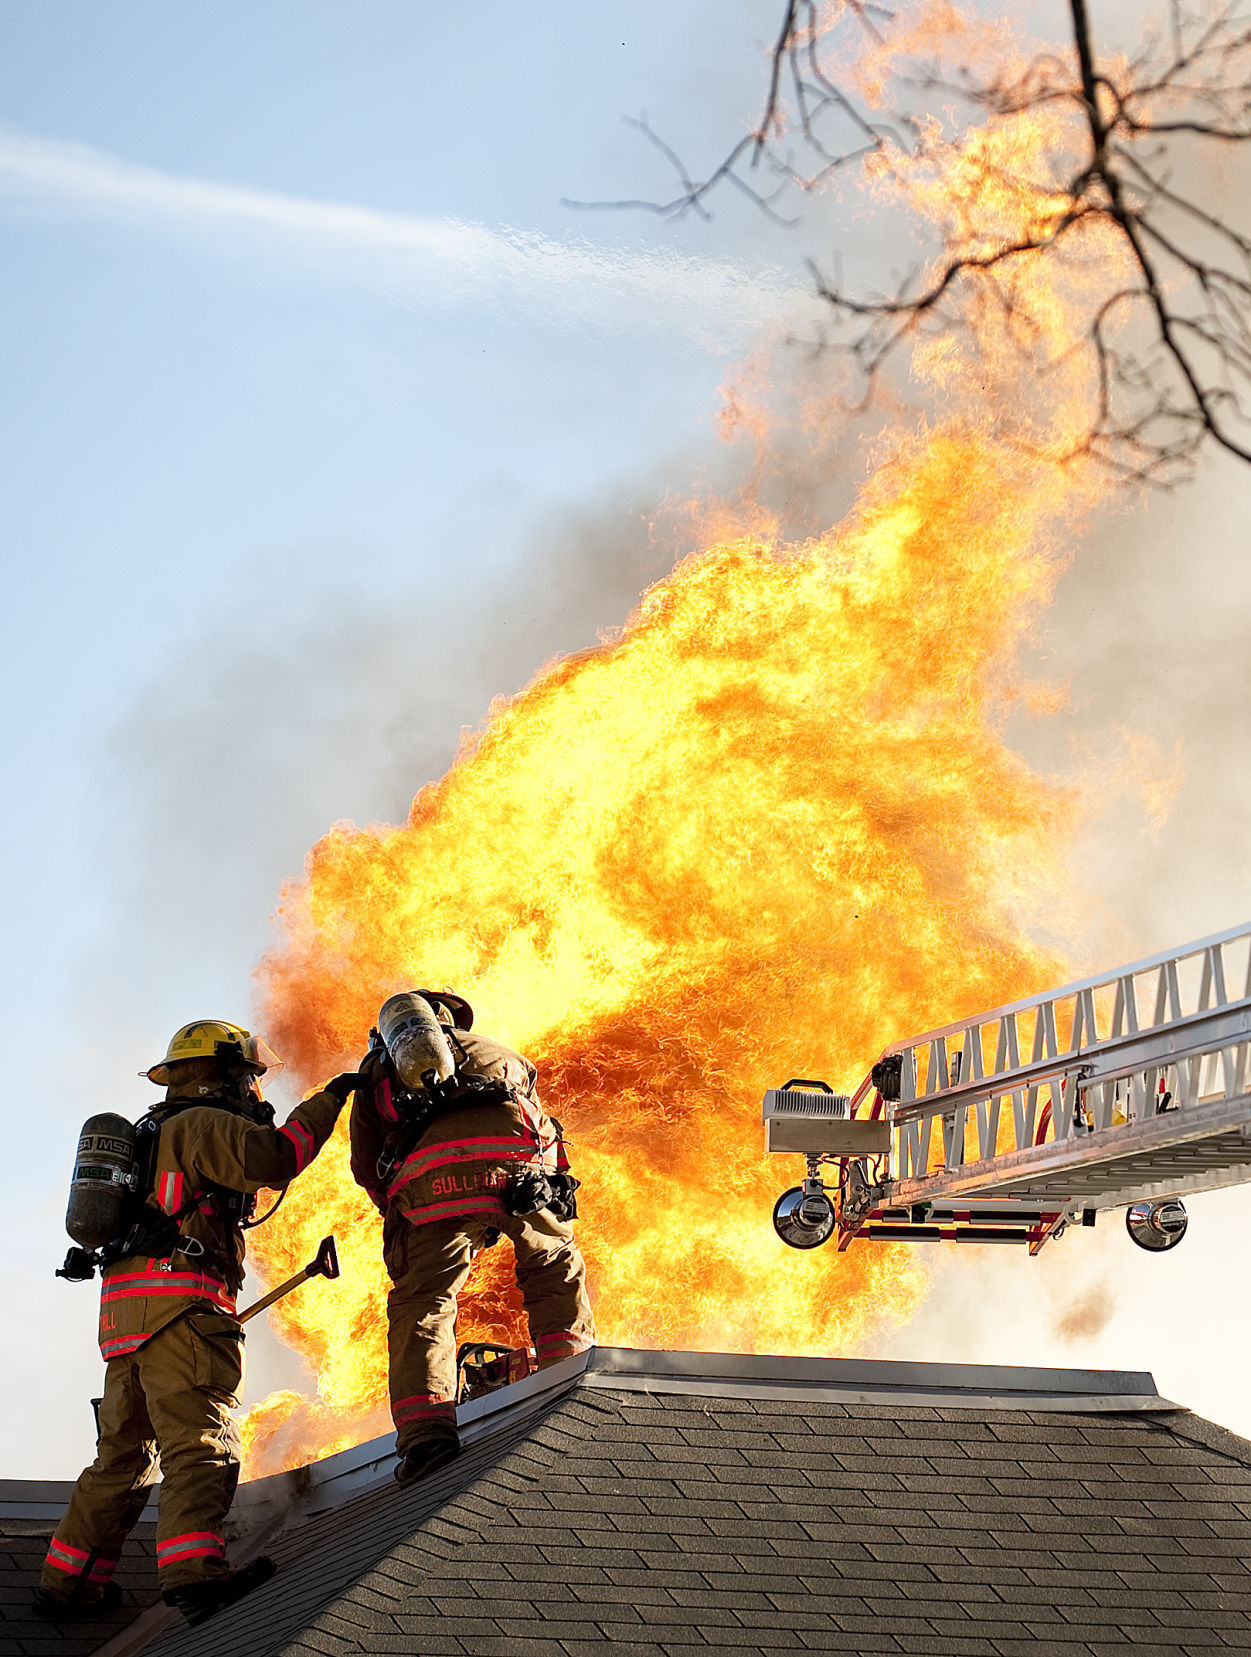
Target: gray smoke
{"points": [[1088, 1314]]}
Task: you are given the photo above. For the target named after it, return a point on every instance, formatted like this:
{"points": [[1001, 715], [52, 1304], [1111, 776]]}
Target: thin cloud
{"points": [[413, 259]]}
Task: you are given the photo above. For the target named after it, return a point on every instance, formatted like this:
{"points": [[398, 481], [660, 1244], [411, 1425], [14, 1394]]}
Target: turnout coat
{"points": [[460, 1164], [204, 1151]]}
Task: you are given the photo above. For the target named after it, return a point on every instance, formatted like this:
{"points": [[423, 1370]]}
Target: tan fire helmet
{"points": [[214, 1038], [457, 1007]]}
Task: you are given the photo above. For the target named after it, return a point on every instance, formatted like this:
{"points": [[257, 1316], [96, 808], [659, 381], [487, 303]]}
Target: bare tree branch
{"points": [[1164, 341], [794, 63]]}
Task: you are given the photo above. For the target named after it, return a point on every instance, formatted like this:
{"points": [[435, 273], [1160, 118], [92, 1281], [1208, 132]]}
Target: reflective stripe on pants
{"points": [[175, 1395], [428, 1265]]}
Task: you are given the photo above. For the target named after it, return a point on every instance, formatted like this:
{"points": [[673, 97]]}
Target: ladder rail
{"points": [[1045, 1074], [1127, 1085], [1215, 1031], [1099, 980], [1089, 1106], [1010, 1174]]}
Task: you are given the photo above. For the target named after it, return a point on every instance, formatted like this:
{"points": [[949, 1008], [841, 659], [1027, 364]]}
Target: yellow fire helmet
{"points": [[213, 1038]]}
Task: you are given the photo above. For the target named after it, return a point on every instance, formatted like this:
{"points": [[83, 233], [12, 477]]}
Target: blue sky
{"points": [[322, 421]]}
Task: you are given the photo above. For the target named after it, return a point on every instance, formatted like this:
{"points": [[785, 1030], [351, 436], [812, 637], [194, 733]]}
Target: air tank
{"points": [[104, 1176], [415, 1040]]}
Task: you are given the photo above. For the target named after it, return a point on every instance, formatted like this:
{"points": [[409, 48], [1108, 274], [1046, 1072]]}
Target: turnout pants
{"points": [[172, 1397], [428, 1265]]}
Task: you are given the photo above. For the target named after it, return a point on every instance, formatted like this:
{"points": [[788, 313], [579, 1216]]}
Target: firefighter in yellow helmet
{"points": [[173, 1349], [452, 1164]]}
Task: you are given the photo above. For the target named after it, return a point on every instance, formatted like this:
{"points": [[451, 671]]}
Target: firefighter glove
{"points": [[340, 1086]]}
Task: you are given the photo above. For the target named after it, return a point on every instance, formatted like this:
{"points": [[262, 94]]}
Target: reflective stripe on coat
{"points": [[200, 1147], [463, 1160]]}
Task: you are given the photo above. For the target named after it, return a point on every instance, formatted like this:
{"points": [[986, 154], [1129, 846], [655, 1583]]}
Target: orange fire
{"points": [[768, 827]]}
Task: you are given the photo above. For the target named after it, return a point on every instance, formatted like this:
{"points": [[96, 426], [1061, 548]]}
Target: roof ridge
{"points": [[1206, 1433]]}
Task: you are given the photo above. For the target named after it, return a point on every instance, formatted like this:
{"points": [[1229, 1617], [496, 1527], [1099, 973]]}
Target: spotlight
{"points": [[803, 1218], [1157, 1225]]}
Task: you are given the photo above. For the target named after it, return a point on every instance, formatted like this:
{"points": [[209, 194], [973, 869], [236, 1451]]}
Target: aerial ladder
{"points": [[1126, 1090]]}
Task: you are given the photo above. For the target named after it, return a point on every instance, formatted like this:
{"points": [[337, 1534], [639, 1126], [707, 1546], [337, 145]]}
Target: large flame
{"points": [[768, 827]]}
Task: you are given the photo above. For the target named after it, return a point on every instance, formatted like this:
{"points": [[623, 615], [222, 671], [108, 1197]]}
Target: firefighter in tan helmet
{"points": [[452, 1145], [172, 1346]]}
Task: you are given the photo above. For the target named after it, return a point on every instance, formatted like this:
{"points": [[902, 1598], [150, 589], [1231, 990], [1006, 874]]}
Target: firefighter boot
{"points": [[426, 1456], [76, 1607], [200, 1600]]}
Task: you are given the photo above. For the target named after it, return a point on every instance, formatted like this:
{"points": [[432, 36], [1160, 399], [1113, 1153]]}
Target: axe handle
{"points": [[325, 1264], [275, 1294]]}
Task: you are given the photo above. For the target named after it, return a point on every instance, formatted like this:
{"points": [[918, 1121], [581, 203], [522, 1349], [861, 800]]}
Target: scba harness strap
{"points": [[552, 1188], [526, 1190], [413, 1112], [159, 1232]]}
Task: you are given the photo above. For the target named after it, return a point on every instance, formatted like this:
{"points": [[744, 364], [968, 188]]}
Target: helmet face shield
{"points": [[260, 1055]]}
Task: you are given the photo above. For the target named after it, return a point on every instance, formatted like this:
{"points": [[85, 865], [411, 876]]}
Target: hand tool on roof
{"points": [[324, 1264]]}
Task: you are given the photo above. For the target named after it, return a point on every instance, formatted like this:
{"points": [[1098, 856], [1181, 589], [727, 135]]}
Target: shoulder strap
{"points": [[235, 1207], [461, 1090]]}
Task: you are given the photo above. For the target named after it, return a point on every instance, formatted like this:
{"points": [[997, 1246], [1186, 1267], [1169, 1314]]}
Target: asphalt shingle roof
{"points": [[749, 1519], [23, 1543]]}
